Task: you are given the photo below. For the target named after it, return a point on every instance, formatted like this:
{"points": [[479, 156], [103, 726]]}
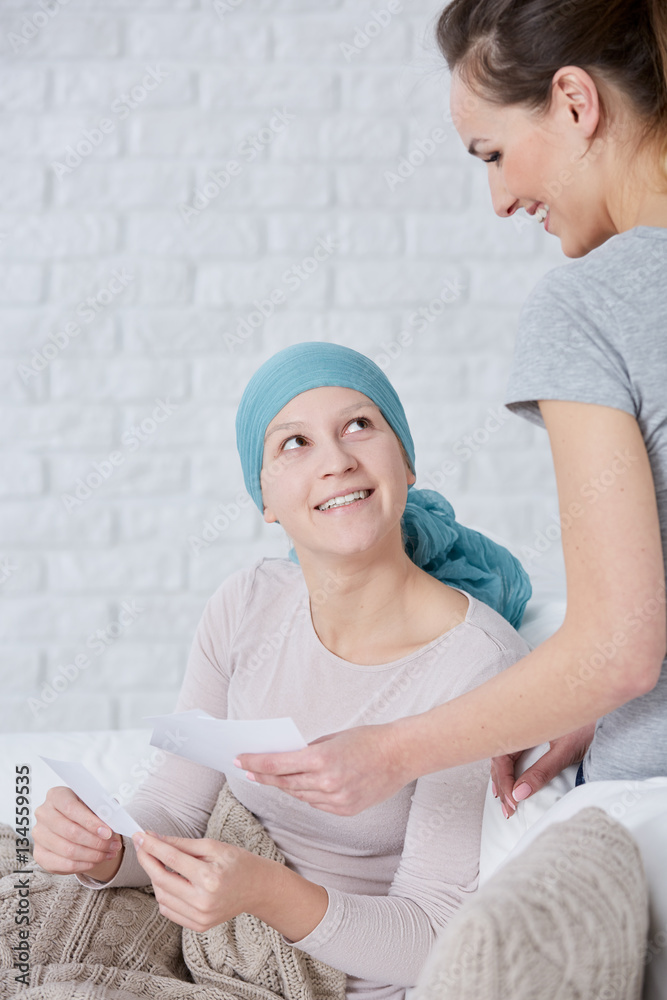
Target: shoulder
{"points": [[494, 631], [564, 316], [576, 338], [565, 293], [484, 645], [617, 271], [263, 586], [263, 577]]}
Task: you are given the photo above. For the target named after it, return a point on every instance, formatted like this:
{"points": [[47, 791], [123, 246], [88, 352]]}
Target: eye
{"points": [[493, 158], [295, 442], [361, 422]]}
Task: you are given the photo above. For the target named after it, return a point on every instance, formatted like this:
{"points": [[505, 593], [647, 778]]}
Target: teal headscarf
{"points": [[434, 539]]}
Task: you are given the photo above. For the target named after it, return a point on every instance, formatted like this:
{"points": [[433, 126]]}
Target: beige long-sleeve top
{"points": [[396, 872]]}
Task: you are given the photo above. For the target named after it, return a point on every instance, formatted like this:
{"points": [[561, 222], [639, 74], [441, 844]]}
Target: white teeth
{"points": [[542, 213], [342, 500]]}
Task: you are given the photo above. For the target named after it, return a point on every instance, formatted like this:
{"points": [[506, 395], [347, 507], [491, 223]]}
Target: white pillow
{"points": [[640, 806]]}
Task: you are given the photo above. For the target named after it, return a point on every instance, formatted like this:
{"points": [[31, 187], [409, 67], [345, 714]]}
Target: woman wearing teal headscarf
{"points": [[433, 539], [387, 608]]}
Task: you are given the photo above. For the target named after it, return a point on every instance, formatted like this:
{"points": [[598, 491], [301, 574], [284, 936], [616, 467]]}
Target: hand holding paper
{"points": [[216, 742], [90, 849]]}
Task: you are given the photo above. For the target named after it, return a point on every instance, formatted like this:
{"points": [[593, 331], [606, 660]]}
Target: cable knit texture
{"points": [[565, 920], [115, 944]]}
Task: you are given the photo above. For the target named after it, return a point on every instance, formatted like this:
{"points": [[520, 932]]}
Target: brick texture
{"points": [[165, 165]]}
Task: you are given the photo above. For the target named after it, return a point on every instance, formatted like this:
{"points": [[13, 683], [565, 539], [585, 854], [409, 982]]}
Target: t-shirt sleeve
{"points": [[566, 349], [386, 939], [178, 796]]}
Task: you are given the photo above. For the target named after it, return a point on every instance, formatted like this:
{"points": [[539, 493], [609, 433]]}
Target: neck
{"points": [[648, 209], [355, 597], [640, 197]]}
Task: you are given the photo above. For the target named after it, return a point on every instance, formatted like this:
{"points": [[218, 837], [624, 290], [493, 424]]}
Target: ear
{"points": [[576, 95], [412, 479]]}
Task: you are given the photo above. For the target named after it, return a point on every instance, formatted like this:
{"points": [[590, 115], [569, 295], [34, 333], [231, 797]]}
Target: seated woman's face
{"points": [[322, 448]]}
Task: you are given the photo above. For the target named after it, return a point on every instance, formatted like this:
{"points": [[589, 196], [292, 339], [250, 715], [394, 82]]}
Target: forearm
{"points": [[384, 939], [562, 685], [287, 901]]}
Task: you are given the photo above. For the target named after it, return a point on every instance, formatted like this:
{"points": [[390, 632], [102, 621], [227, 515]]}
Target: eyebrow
{"points": [[471, 147], [296, 424]]}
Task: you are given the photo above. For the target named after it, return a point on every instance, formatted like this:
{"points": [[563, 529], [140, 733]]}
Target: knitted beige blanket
{"points": [[114, 944], [565, 920]]}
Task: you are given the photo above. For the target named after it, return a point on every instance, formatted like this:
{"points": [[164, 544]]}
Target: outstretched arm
{"points": [[608, 651]]}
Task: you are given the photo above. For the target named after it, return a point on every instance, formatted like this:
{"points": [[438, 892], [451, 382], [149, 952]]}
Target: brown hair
{"points": [[507, 51]]}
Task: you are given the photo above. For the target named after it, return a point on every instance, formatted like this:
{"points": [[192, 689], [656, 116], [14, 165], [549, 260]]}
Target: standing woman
{"points": [[566, 103]]}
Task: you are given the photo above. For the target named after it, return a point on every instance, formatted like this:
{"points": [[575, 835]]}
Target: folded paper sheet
{"points": [[216, 742], [87, 787]]}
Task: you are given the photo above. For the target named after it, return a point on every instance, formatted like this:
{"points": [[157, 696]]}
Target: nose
{"points": [[504, 204], [335, 459]]}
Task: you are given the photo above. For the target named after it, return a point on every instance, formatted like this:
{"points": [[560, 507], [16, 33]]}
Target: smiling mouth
{"points": [[345, 499]]}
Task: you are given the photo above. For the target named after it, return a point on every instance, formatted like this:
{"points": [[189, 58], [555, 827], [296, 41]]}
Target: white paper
{"points": [[216, 742], [96, 797]]}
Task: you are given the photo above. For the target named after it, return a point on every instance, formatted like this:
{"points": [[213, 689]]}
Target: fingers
{"points": [[205, 850], [63, 856], [62, 802], [323, 739], [195, 848], [351, 770], [66, 834], [302, 781], [155, 854], [542, 772], [502, 773], [268, 764], [300, 771], [172, 891], [180, 895], [175, 909], [563, 751]]}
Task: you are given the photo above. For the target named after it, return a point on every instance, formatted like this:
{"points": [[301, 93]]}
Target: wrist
{"points": [[260, 882], [106, 870], [408, 748], [289, 903], [401, 750]]}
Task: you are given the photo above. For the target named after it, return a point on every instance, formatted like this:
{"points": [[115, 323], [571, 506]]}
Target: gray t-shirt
{"points": [[594, 331]]}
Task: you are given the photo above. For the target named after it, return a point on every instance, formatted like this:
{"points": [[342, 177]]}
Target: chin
{"points": [[575, 252], [584, 245]]}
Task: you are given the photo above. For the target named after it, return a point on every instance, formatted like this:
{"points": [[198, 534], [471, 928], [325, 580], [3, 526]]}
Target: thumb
{"points": [[203, 848], [541, 773], [324, 739], [188, 845]]}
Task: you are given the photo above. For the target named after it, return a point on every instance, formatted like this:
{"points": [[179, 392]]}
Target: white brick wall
{"points": [[117, 310]]}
